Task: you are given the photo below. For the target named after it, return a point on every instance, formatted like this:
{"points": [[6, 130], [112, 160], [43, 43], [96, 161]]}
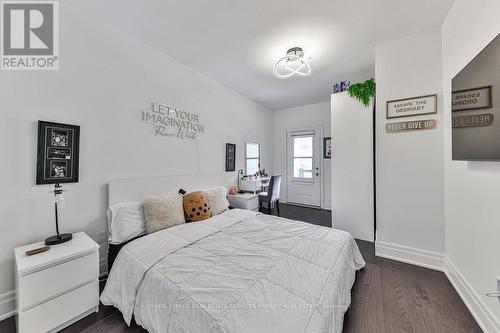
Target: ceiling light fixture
{"points": [[293, 63]]}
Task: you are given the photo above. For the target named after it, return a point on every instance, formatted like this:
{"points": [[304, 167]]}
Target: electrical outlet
{"points": [[101, 236]]}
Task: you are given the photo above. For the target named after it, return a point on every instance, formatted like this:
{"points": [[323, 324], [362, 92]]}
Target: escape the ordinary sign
{"points": [[410, 126], [414, 106], [471, 99], [170, 122]]}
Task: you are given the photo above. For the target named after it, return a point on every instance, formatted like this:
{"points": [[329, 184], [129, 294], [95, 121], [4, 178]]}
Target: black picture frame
{"points": [[58, 153], [327, 147], [230, 157]]}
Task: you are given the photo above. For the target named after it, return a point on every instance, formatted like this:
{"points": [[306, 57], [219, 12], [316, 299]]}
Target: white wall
{"points": [[472, 189], [352, 166], [410, 170], [313, 115], [104, 81]]}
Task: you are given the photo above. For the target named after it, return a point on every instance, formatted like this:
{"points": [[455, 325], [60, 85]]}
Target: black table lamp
{"points": [[58, 199]]}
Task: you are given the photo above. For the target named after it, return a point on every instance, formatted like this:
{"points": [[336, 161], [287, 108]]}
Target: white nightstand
{"points": [[248, 201], [58, 287]]}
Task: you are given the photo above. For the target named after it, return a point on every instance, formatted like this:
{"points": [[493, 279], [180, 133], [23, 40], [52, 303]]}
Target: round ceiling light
{"points": [[292, 64]]}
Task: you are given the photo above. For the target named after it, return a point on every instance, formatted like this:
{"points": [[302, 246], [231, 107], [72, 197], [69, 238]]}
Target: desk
{"points": [[253, 184]]}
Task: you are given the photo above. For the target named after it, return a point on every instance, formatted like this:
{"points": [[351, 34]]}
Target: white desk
{"points": [[253, 184]]}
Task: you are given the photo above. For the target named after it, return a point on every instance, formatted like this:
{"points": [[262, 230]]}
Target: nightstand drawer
{"points": [[55, 312], [41, 285]]}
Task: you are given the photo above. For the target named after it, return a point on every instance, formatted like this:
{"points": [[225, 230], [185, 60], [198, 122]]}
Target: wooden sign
{"points": [[471, 99], [410, 126], [415, 106], [473, 120]]}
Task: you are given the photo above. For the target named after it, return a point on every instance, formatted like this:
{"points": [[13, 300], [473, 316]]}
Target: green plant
{"points": [[362, 91]]}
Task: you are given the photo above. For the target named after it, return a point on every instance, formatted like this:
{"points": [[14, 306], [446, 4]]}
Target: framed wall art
{"points": [[472, 99], [57, 153], [230, 157], [414, 106], [327, 147]]}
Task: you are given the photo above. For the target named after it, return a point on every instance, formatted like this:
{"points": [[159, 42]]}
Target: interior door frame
{"points": [[319, 131]]}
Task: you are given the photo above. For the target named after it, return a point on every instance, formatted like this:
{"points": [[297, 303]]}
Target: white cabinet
{"points": [[352, 167], [247, 201], [57, 287]]}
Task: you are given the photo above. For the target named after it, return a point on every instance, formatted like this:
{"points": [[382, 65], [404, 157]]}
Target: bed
{"points": [[239, 271]]}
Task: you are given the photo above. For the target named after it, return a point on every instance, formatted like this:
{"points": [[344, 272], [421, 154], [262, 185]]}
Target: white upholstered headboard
{"points": [[137, 189]]}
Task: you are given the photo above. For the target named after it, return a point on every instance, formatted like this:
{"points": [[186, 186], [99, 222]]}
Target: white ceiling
{"points": [[237, 42]]}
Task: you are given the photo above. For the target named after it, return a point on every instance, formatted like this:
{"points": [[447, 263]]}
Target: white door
{"points": [[304, 167]]}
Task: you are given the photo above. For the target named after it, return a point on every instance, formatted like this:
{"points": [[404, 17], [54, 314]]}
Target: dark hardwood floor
{"points": [[311, 215], [387, 297]]}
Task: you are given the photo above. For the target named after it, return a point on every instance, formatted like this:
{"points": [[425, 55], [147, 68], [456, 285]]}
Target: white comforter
{"points": [[239, 271]]}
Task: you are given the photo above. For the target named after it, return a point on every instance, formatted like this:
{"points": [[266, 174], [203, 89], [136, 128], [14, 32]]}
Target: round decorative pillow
{"points": [[196, 206]]}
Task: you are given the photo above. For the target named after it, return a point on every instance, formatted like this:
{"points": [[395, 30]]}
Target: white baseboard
{"points": [[410, 255], [7, 304], [484, 317]]}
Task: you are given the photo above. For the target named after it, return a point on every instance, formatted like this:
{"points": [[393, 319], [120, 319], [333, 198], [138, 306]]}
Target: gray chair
{"points": [[272, 196]]}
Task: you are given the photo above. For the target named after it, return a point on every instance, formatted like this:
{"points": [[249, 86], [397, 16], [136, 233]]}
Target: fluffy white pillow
{"points": [[162, 212], [125, 221], [217, 199]]}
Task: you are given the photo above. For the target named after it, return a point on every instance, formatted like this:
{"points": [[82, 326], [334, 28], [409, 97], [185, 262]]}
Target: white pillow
{"points": [[164, 211], [217, 199], [125, 221]]}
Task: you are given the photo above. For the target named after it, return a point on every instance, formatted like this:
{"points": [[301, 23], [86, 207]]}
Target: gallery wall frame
{"points": [[327, 147], [412, 106], [230, 157], [58, 153]]}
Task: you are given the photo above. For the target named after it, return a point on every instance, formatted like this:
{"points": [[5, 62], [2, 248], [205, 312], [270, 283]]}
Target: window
{"points": [[252, 162], [303, 157]]}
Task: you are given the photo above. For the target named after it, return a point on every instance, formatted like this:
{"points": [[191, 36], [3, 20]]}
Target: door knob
{"points": [[317, 173]]}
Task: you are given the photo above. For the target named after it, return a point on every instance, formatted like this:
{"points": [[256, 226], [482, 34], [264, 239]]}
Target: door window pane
{"points": [[303, 167], [303, 146], [303, 156]]}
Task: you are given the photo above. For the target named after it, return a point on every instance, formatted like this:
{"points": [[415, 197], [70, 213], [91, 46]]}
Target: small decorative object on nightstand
{"points": [[58, 287], [247, 201]]}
